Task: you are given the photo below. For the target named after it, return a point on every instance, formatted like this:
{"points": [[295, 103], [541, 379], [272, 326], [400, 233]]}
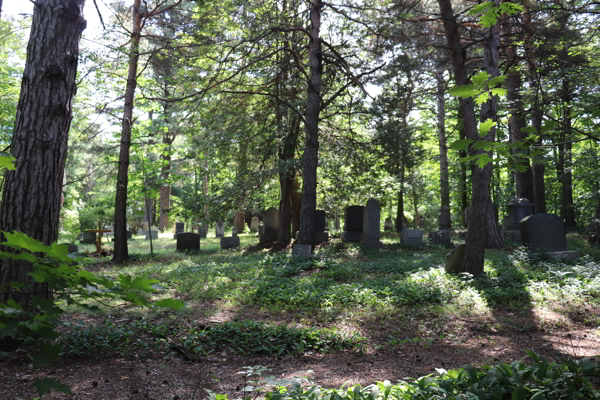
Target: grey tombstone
{"points": [[371, 225], [388, 225], [353, 224], [320, 227], [154, 235], [544, 232], [234, 231], [254, 224], [455, 260], [89, 238], [179, 228], [188, 241], [129, 234], [440, 237], [203, 230], [411, 237], [230, 242], [80, 237], [518, 208], [270, 225], [301, 250], [141, 231], [220, 229]]}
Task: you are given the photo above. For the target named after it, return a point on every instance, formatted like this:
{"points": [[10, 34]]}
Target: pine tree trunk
{"points": [[567, 160], [444, 221], [462, 178], [400, 209], [286, 181], [121, 252], [31, 193], [313, 109]]}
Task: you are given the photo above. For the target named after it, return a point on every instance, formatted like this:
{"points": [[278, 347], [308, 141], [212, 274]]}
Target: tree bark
{"points": [[400, 209], [286, 180], [31, 192], [568, 210], [313, 109], [120, 248], [462, 178], [444, 221]]}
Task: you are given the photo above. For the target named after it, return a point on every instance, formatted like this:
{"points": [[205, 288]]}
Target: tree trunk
{"points": [[476, 234], [400, 210], [120, 248], [567, 160], [311, 147], [462, 178], [286, 180], [516, 121], [444, 221], [296, 205], [31, 192]]}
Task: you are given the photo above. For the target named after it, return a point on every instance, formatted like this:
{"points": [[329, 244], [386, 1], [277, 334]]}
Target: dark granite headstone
{"points": [[353, 218], [203, 230], [71, 248], [89, 237], [455, 260], [440, 237], [179, 227], [388, 225], [188, 241], [544, 232], [518, 208], [129, 234], [154, 235], [301, 250], [230, 242], [371, 225], [411, 237], [320, 221], [270, 225]]}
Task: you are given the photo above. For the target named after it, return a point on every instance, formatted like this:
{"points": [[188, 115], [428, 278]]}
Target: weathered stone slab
{"points": [[440, 237], [320, 221], [353, 218], [411, 237], [371, 228], [321, 237], [518, 208], [544, 232], [154, 235], [179, 227], [270, 225], [351, 236], [388, 225], [89, 237], [220, 229], [230, 242], [129, 234], [188, 241], [455, 260], [301, 250], [254, 224]]}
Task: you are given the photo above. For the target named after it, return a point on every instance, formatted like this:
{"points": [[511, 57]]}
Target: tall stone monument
{"points": [[518, 208], [353, 224], [371, 228], [270, 225]]}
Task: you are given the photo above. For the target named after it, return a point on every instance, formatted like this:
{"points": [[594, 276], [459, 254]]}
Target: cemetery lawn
{"points": [[346, 316]]}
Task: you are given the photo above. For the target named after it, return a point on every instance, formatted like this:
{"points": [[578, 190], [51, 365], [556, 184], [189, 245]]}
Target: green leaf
{"points": [[46, 385], [529, 129], [461, 144], [480, 78], [7, 161], [518, 393], [52, 351], [486, 126], [498, 92], [21, 256], [492, 83], [480, 8], [170, 303], [482, 98], [38, 361], [21, 240], [464, 91], [483, 159]]}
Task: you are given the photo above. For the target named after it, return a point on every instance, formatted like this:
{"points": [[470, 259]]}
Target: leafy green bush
{"points": [[249, 337]]}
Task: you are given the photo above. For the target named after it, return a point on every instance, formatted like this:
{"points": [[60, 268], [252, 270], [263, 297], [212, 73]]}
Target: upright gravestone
{"points": [[353, 224], [220, 229], [71, 248], [179, 228], [154, 234], [188, 241], [230, 242], [388, 225], [270, 225], [234, 231], [129, 234], [301, 250], [546, 233], [518, 208], [203, 230], [455, 260], [141, 231], [440, 237], [320, 227], [89, 238], [254, 224], [371, 227], [411, 237]]}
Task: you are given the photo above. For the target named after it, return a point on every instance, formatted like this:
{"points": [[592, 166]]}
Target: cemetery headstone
{"points": [[546, 233], [230, 242], [129, 234], [320, 227], [188, 241], [440, 237], [455, 260], [141, 231], [179, 228], [518, 208], [371, 227], [270, 225], [411, 237], [388, 225], [203, 230], [353, 224], [301, 250], [220, 229], [254, 224], [145, 227], [154, 234], [234, 231], [89, 238], [71, 248]]}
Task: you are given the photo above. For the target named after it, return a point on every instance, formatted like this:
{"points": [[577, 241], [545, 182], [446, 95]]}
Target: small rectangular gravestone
{"points": [[89, 238], [440, 237], [270, 225], [188, 241], [203, 230], [455, 260], [129, 234], [154, 235], [411, 237], [220, 229], [321, 235], [141, 231], [545, 233], [371, 225], [254, 224], [301, 250], [230, 242], [179, 228], [353, 224], [388, 225]]}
